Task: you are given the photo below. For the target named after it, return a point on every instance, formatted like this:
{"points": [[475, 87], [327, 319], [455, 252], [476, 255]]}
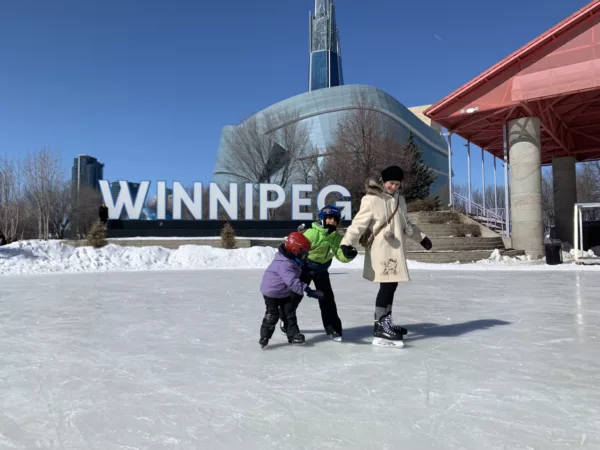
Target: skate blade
{"points": [[380, 342], [336, 339]]}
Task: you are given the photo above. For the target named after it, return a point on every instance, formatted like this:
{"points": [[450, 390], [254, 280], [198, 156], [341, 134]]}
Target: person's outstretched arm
{"points": [[412, 230], [360, 223]]}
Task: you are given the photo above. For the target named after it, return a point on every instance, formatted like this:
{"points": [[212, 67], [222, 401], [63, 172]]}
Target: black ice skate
{"points": [[398, 329], [283, 328], [263, 342], [297, 340], [384, 334]]}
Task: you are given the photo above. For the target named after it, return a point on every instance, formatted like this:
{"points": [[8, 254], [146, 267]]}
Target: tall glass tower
{"points": [[325, 55]]}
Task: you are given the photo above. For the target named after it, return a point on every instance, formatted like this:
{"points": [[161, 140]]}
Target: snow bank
{"points": [[37, 257], [34, 257]]}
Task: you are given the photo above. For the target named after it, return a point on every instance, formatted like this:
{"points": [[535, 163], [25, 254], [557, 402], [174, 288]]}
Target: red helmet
{"points": [[297, 244]]}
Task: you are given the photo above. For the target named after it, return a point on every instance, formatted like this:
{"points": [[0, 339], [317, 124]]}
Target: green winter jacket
{"points": [[324, 247]]}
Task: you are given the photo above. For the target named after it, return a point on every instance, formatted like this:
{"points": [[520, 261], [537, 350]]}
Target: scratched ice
{"points": [[170, 360]]}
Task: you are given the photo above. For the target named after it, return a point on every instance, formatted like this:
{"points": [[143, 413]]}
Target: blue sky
{"points": [[147, 85]]}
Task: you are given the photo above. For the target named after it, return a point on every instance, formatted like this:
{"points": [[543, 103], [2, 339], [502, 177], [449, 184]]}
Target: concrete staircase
{"points": [[455, 238]]}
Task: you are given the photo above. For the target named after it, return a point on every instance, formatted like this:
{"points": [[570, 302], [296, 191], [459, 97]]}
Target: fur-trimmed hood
{"points": [[374, 186]]}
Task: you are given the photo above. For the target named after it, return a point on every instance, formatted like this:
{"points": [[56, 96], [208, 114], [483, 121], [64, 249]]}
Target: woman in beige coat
{"points": [[383, 213]]}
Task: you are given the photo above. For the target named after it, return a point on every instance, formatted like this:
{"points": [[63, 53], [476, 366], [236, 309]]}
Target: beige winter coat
{"points": [[385, 261]]}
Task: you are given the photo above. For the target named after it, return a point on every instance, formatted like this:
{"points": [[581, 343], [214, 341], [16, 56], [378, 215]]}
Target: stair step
{"points": [[423, 217], [446, 230], [462, 257]]}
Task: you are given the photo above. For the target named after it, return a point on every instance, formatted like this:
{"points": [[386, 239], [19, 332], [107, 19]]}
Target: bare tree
{"points": [[85, 211], [588, 191], [11, 195], [60, 211], [364, 145], [588, 187], [358, 151], [264, 149], [294, 138], [477, 196], [311, 169], [44, 178], [547, 200]]}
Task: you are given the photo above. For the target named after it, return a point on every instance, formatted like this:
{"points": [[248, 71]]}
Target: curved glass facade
{"points": [[323, 109]]}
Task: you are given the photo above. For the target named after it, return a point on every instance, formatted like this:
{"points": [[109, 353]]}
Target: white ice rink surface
{"points": [[170, 360]]}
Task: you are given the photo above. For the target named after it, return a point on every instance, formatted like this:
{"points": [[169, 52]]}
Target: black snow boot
{"points": [[336, 336], [297, 339]]}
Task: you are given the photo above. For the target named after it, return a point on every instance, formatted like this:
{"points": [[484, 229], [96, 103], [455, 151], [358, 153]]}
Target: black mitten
{"points": [[312, 293], [349, 251], [426, 243]]}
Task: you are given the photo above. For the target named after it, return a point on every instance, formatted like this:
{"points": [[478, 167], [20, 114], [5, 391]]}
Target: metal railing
{"points": [[494, 219]]}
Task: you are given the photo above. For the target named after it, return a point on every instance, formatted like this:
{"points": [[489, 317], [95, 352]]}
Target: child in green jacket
{"points": [[325, 244]]}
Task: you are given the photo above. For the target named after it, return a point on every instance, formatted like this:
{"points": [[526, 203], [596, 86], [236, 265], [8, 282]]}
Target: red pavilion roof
{"points": [[555, 77]]}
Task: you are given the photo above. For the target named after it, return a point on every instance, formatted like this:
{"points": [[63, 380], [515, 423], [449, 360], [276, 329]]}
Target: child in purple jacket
{"points": [[282, 289]]}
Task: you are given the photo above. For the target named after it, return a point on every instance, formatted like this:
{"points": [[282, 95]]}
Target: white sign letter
{"points": [[180, 195], [346, 206], [133, 210], [229, 205], [297, 202], [265, 204], [249, 201], [161, 200]]}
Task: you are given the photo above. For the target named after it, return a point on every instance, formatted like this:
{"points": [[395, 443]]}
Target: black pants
{"points": [[385, 296], [284, 308], [329, 315]]}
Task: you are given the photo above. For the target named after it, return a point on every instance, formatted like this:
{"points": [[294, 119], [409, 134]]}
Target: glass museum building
{"points": [[328, 101]]}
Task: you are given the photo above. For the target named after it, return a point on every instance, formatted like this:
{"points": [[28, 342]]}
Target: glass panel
{"points": [[335, 75], [319, 70]]}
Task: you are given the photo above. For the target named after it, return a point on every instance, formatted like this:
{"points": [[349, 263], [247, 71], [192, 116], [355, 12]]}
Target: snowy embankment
{"points": [[37, 257]]}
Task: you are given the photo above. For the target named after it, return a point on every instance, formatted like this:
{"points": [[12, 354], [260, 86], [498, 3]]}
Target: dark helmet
{"points": [[329, 211]]}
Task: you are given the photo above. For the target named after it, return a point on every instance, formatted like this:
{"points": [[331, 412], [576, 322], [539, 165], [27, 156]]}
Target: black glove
{"points": [[426, 243], [348, 251], [312, 293]]}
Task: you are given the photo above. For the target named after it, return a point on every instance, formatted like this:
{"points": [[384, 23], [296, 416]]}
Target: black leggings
{"points": [[284, 308], [385, 296]]}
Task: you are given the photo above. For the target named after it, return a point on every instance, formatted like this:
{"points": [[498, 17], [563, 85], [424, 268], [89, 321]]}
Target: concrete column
{"points": [[526, 185], [565, 196]]}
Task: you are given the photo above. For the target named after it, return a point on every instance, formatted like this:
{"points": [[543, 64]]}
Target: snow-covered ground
{"points": [[170, 360], [37, 257]]}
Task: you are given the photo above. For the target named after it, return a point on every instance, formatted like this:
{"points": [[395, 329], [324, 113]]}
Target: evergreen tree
{"points": [[96, 237], [227, 236], [419, 176]]}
